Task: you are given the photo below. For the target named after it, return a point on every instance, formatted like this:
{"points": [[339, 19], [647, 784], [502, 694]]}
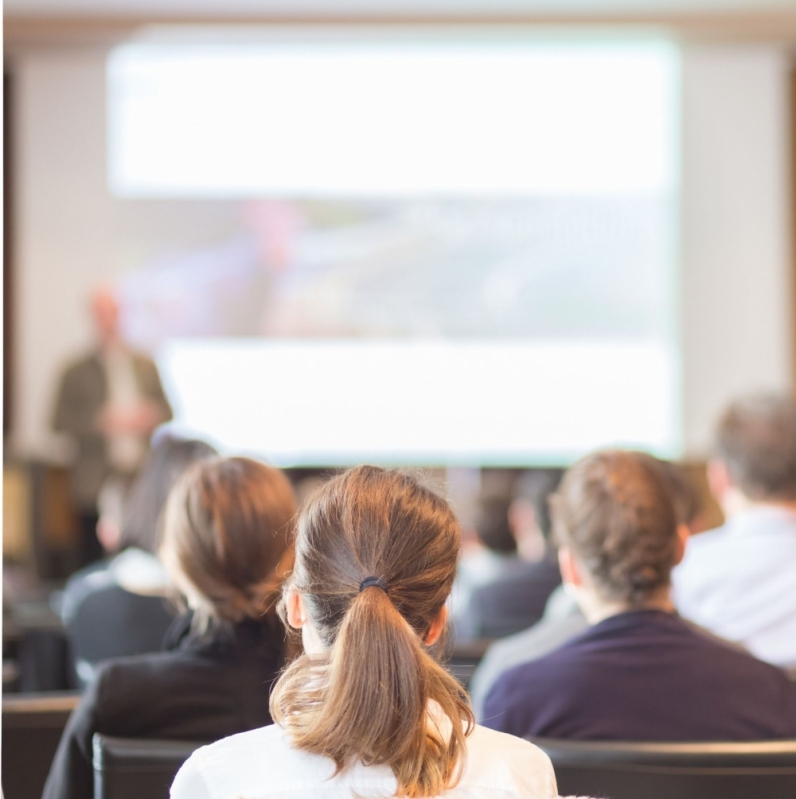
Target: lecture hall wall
{"points": [[735, 267]]}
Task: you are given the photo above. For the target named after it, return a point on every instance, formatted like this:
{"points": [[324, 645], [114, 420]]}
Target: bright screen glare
{"points": [[443, 250], [391, 119]]}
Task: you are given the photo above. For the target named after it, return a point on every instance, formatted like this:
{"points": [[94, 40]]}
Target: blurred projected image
{"points": [[432, 248], [515, 268]]}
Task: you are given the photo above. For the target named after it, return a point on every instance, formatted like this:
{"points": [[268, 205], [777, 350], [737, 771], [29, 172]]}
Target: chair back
{"points": [[132, 768], [463, 658], [617, 770], [32, 728]]}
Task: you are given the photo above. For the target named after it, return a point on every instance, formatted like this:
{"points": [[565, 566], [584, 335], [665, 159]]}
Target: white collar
{"points": [[751, 520]]}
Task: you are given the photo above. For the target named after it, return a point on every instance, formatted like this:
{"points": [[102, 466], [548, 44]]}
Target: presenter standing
{"points": [[109, 402]]}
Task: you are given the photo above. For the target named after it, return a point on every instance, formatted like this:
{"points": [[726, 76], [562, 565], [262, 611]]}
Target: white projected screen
{"points": [[425, 250]]}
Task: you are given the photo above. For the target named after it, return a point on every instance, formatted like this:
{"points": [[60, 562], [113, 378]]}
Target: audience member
{"points": [[368, 711], [521, 570], [226, 546], [109, 402], [639, 672], [117, 607], [563, 618], [739, 580], [561, 621]]}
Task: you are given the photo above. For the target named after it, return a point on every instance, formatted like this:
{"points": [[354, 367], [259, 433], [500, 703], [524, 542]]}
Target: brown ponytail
{"points": [[367, 698]]}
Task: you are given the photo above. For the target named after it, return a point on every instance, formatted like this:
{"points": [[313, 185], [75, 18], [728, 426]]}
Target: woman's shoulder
{"points": [[497, 765], [503, 762], [241, 765], [239, 747], [489, 744]]}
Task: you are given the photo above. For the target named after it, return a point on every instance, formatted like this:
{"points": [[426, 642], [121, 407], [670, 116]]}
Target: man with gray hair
{"points": [[739, 580]]}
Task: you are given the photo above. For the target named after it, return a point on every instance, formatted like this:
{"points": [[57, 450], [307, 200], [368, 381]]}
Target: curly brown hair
{"points": [[616, 513]]}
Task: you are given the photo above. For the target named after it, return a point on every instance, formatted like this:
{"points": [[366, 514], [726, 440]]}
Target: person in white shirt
{"points": [[367, 711], [739, 580]]}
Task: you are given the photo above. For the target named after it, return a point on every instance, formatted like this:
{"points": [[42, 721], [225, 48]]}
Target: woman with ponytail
{"points": [[367, 711], [227, 548]]}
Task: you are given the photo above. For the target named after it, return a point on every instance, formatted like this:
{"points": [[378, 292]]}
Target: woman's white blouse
{"points": [[261, 764]]}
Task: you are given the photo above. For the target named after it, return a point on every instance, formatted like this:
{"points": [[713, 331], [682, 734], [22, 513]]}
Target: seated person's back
{"points": [[563, 618], [227, 548], [639, 672], [119, 607], [739, 580], [367, 710], [114, 622], [562, 621], [515, 537]]}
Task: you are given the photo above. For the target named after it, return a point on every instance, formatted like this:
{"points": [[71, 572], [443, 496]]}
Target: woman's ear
{"points": [[437, 626], [296, 617]]}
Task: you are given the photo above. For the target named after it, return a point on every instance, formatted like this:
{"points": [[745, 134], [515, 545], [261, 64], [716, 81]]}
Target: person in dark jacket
{"points": [[639, 672], [118, 607], [108, 403], [522, 569], [227, 547]]}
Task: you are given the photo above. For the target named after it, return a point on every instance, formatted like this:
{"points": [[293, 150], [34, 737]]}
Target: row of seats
{"points": [[131, 769]]}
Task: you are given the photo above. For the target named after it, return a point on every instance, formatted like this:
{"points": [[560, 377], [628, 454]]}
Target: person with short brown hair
{"points": [[227, 545], [368, 711], [563, 619], [739, 580], [638, 672]]}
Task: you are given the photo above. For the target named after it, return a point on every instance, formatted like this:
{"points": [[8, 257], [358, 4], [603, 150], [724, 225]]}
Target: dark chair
{"points": [[32, 727], [134, 768], [463, 658], [763, 770]]}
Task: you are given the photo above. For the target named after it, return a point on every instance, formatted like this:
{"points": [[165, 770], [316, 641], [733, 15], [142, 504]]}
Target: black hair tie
{"points": [[378, 582]]}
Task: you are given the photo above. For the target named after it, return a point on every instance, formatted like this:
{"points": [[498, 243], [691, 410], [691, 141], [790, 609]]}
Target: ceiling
{"points": [[220, 9]]}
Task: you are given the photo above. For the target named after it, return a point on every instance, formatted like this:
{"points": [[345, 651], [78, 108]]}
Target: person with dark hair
{"points": [[739, 580], [119, 606], [227, 548], [515, 598], [368, 710], [638, 672], [146, 500]]}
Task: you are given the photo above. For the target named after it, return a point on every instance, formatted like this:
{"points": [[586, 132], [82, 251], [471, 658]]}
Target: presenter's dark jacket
{"points": [[82, 393], [204, 688], [644, 676]]}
